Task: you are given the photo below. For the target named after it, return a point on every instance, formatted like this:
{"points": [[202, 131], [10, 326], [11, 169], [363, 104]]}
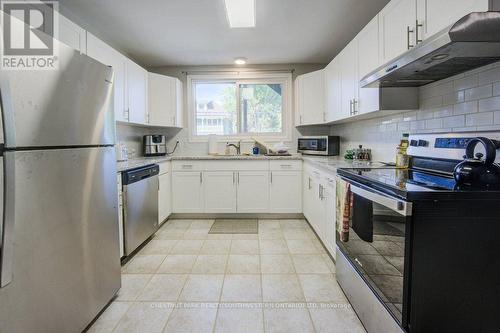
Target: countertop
{"points": [[332, 163], [138, 162]]}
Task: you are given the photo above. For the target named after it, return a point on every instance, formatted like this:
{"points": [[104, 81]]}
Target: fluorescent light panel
{"points": [[240, 13]]}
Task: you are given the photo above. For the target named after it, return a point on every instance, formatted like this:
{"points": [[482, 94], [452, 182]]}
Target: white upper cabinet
{"points": [[397, 28], [349, 79], [137, 89], [105, 54], [333, 91], [435, 15], [310, 99], [368, 60], [165, 100], [72, 34]]}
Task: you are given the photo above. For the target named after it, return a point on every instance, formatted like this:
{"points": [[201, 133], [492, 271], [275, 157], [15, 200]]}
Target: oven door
{"points": [[313, 146], [376, 243]]}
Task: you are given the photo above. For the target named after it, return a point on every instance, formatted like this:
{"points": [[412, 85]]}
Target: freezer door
{"points": [[71, 106], [66, 261]]}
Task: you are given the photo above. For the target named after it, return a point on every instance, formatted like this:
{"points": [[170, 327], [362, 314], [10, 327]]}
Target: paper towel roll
{"points": [[212, 145]]}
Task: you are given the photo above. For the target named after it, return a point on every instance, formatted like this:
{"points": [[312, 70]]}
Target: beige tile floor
{"points": [[185, 280]]}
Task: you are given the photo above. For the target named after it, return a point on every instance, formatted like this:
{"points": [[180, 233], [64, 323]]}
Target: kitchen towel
{"points": [[344, 206]]}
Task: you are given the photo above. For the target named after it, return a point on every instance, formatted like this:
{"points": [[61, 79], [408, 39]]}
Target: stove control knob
{"points": [[401, 205], [423, 143], [413, 143]]}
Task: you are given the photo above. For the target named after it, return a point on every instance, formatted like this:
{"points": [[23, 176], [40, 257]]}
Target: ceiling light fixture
{"points": [[240, 61], [240, 13]]}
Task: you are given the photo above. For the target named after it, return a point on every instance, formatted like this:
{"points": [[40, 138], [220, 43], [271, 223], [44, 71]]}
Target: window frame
{"points": [[285, 79]]}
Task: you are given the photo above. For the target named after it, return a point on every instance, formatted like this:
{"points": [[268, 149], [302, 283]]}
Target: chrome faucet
{"points": [[238, 147]]}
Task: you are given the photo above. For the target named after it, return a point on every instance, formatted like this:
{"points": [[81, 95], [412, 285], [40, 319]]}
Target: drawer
{"points": [[164, 167], [187, 165], [237, 165], [293, 165]]}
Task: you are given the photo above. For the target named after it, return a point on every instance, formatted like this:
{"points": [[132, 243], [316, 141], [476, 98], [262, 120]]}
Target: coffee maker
{"points": [[155, 145]]}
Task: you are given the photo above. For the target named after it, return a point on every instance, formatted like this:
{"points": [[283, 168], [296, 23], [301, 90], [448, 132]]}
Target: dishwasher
{"points": [[140, 207]]}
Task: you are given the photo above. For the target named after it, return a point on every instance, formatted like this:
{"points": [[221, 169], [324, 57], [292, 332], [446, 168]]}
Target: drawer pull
{"points": [[187, 166]]}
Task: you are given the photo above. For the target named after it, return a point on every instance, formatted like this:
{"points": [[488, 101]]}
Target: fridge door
{"points": [[70, 106], [66, 261]]}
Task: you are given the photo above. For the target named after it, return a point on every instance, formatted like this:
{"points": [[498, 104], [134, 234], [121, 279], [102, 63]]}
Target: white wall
{"points": [[467, 102]]}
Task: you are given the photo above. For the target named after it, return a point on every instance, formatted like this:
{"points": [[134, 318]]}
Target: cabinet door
{"points": [[220, 191], [72, 34], [137, 78], [286, 192], [187, 189], [368, 60], [312, 98], [436, 15], [253, 191], [329, 195], [349, 78], [179, 104], [164, 198], [333, 91], [105, 54], [161, 100], [395, 20]]}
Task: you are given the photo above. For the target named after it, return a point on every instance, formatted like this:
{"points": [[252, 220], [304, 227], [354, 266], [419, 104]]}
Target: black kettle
{"points": [[476, 171]]}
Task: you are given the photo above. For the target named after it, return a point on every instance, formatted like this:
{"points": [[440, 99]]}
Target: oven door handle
{"points": [[399, 206]]}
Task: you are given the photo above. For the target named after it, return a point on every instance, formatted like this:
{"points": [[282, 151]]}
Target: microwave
{"points": [[325, 145]]}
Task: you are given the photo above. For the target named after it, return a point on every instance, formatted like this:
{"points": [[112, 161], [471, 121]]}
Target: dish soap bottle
{"points": [[402, 158]]}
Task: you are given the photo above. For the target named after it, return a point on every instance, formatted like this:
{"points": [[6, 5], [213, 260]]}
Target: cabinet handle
{"points": [[286, 166], [187, 166], [201, 177], [238, 178], [300, 119], [309, 185], [271, 177], [354, 109], [408, 32], [320, 192], [234, 176], [417, 26]]}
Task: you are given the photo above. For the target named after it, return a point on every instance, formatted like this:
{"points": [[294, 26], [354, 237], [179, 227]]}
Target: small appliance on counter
{"points": [[417, 246], [155, 145], [324, 145]]}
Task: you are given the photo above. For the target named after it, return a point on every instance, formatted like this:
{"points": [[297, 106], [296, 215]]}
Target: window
{"points": [[235, 107]]}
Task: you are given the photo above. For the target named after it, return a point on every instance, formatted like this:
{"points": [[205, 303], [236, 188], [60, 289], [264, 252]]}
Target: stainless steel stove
{"points": [[415, 244]]}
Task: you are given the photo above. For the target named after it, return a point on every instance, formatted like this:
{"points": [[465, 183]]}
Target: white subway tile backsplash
{"points": [[496, 89], [489, 104], [434, 123], [465, 82], [464, 108], [489, 76], [479, 92], [427, 114], [454, 97], [496, 117], [455, 121], [431, 102], [417, 125], [443, 112], [479, 119], [404, 126]]}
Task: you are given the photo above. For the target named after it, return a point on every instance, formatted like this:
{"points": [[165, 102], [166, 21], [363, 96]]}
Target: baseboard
{"points": [[275, 216]]}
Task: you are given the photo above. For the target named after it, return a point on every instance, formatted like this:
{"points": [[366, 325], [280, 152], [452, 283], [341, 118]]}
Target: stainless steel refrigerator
{"points": [[59, 250]]}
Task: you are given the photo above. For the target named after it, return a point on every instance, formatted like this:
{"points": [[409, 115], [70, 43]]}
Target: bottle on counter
{"points": [[402, 158]]}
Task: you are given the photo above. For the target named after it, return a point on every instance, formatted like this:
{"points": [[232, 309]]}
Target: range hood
{"points": [[472, 42]]}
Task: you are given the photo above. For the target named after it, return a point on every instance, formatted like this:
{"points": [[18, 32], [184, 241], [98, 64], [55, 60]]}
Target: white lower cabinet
{"points": [[253, 191], [319, 199], [286, 192], [237, 187], [187, 192], [330, 203], [120, 213], [220, 191], [164, 197]]}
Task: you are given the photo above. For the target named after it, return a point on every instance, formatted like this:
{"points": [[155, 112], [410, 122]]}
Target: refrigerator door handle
{"points": [[7, 199], [7, 124]]}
